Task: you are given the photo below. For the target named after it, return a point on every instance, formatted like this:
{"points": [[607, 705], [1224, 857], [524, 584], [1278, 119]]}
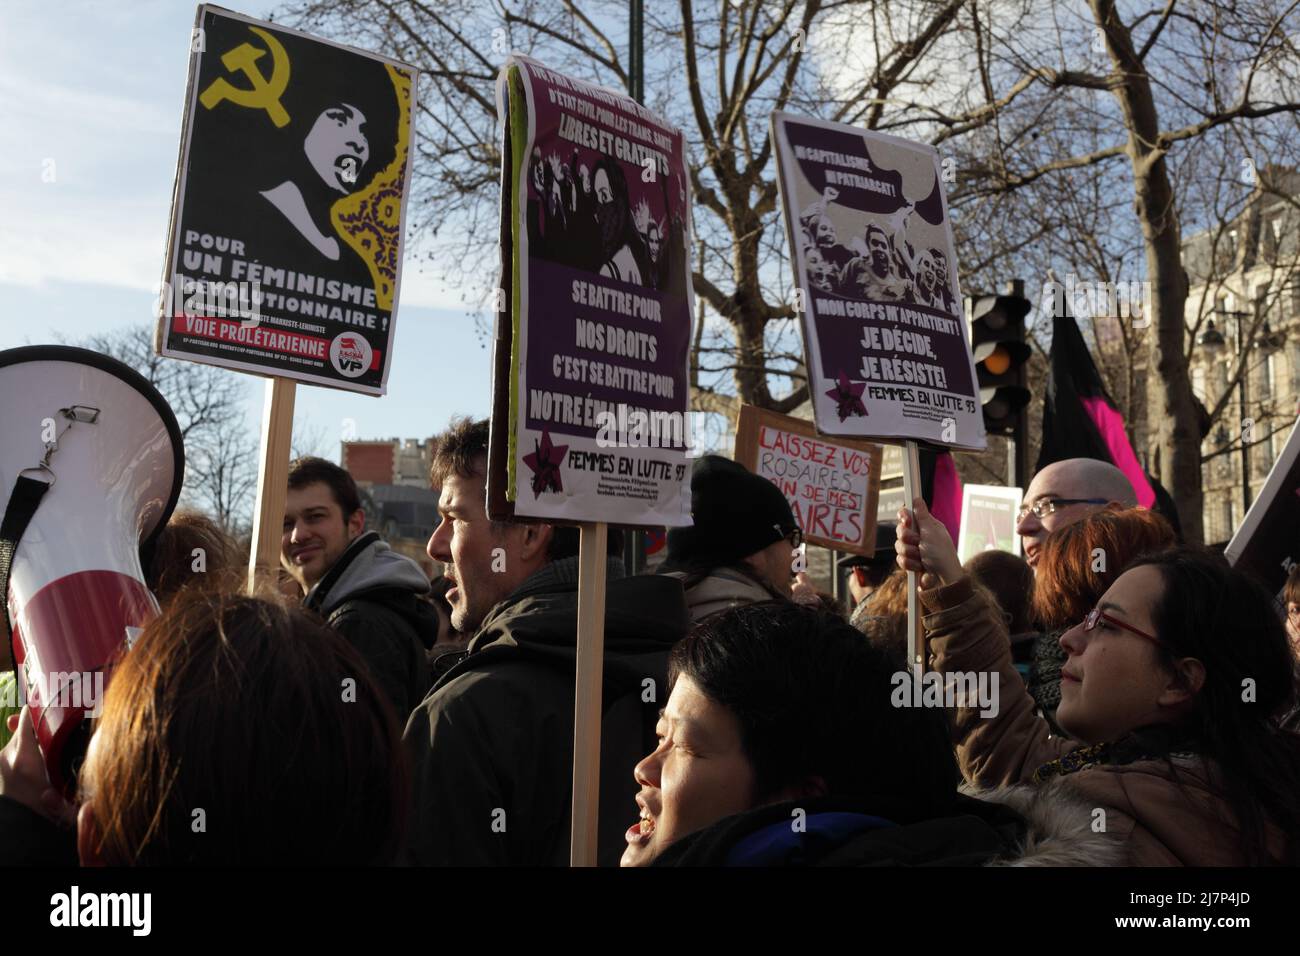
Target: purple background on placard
{"points": [[841, 345], [553, 331], [664, 198], [551, 310], [839, 336]]}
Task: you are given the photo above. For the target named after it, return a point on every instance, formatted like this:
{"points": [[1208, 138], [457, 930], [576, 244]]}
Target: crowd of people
{"points": [[880, 265], [581, 212], [1144, 705]]}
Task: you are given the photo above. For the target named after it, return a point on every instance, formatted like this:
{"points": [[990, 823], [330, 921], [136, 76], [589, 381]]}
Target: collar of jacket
{"points": [[561, 575], [883, 829], [367, 564], [644, 616]]}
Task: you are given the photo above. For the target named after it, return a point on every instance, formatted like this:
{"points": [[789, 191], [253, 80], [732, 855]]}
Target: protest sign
{"points": [[832, 486], [988, 520], [1267, 543], [887, 348], [590, 391], [285, 251]]}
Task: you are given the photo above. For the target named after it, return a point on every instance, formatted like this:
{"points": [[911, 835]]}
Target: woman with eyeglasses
{"points": [[1170, 695], [1076, 564]]}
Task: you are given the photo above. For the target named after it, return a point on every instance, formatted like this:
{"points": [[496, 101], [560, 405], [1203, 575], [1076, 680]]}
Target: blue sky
{"points": [[91, 96]]}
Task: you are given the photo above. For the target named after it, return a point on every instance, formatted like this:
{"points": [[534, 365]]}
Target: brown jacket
{"points": [[1163, 818]]}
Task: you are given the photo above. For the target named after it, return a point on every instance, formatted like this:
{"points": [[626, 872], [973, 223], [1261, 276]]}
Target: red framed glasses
{"points": [[1097, 614]]}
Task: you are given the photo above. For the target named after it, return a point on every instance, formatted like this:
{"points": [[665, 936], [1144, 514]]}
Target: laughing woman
{"points": [[1169, 695]]}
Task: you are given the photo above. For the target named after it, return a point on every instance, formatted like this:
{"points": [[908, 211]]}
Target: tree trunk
{"points": [[1173, 429]]}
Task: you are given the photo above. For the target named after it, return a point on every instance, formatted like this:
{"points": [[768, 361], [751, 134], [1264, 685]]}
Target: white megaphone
{"points": [[91, 462]]}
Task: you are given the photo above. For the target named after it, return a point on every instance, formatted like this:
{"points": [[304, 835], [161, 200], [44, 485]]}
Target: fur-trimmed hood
{"points": [[1058, 828]]}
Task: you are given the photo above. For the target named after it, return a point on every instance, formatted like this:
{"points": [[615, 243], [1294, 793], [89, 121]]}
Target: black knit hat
{"points": [[736, 514]]}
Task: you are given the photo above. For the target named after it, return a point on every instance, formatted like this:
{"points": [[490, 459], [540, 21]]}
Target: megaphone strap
{"points": [[24, 501]]}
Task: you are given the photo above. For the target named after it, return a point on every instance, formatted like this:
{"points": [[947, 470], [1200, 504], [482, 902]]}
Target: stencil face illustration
{"points": [[337, 148]]}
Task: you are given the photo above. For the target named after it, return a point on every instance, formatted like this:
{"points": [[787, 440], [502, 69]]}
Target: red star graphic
{"points": [[545, 463], [848, 396]]}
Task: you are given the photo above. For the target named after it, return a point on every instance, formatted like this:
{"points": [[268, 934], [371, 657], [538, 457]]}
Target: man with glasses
{"points": [[1065, 492], [1061, 494]]}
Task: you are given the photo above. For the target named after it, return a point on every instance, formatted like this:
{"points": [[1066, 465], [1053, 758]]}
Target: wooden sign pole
{"points": [[272, 483], [588, 685], [912, 491]]}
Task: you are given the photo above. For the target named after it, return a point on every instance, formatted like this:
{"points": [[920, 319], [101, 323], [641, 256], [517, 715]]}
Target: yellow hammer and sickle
{"points": [[265, 94]]}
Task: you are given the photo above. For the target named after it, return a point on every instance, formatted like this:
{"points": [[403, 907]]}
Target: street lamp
{"points": [[1213, 341]]}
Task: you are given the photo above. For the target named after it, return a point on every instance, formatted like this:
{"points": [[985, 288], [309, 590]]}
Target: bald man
{"points": [[1065, 492]]}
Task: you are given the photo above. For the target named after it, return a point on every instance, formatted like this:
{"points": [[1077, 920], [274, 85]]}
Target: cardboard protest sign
{"points": [[988, 520], [887, 348], [831, 485], [285, 251], [590, 407], [1267, 543]]}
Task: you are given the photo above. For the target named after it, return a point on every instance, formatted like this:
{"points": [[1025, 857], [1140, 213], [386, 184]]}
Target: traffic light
{"points": [[997, 338]]}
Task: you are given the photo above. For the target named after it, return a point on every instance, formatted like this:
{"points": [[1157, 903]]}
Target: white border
{"points": [[787, 166], [163, 339], [1014, 495]]}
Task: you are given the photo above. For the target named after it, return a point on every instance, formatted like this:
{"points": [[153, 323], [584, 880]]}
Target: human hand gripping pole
{"points": [[923, 545]]}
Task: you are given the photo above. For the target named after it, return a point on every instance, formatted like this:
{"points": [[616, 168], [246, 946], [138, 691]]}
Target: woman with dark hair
{"points": [[341, 133], [784, 743], [619, 241], [1171, 690], [1075, 567], [238, 731]]}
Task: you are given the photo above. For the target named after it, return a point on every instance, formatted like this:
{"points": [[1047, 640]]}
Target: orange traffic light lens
{"points": [[998, 361]]}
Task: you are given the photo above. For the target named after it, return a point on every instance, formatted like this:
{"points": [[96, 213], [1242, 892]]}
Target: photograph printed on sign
{"points": [[286, 239], [873, 255], [603, 324]]}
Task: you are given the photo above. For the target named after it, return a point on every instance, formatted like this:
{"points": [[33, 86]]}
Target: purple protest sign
{"points": [[595, 238], [887, 348]]}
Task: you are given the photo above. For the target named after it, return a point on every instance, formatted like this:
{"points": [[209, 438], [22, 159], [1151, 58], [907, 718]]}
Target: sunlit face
{"points": [[774, 565], [337, 147], [697, 775], [484, 563], [1057, 480], [1112, 680], [316, 532]]}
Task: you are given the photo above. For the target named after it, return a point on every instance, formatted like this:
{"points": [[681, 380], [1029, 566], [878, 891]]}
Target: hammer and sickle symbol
{"points": [[265, 93]]}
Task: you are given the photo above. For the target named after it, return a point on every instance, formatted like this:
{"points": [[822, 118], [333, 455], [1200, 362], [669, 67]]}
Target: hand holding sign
{"points": [[924, 545]]}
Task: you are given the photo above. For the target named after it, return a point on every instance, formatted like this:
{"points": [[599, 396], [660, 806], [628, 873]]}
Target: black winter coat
{"points": [[373, 597], [491, 747]]}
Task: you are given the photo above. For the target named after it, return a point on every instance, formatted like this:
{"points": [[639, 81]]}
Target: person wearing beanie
{"points": [[740, 549], [866, 573]]}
